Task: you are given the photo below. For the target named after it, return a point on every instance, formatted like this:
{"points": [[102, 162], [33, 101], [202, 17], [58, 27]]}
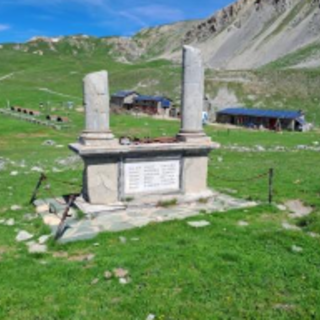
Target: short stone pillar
{"points": [[192, 95], [97, 105]]}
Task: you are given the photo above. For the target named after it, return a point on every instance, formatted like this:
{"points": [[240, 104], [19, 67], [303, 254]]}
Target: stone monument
{"points": [[115, 172]]}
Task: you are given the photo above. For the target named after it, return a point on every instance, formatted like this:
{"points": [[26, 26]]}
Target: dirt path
{"points": [[7, 76], [58, 93]]}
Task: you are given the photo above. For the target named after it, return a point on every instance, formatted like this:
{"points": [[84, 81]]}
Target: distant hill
{"points": [[245, 35]]}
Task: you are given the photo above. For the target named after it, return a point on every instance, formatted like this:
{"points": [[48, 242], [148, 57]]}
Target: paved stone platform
{"points": [[134, 213]]}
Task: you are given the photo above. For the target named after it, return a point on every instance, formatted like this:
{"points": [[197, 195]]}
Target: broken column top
{"points": [[97, 105]]}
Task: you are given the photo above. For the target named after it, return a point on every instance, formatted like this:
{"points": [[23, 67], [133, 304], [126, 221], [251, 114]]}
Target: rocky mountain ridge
{"points": [[247, 34]]}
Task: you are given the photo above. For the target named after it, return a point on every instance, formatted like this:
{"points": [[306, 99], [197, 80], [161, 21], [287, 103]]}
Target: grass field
{"points": [[223, 271]]}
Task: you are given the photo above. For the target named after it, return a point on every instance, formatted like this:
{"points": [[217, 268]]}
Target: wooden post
{"points": [[271, 173]]}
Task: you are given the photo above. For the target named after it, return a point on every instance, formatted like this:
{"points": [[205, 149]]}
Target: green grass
{"points": [[220, 272]]}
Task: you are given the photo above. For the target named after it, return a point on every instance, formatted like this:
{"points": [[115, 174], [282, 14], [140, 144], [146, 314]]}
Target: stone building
{"points": [[267, 119], [153, 105], [124, 98]]}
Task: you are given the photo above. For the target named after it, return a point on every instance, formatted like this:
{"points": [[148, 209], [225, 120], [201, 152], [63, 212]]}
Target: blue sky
{"points": [[22, 19]]}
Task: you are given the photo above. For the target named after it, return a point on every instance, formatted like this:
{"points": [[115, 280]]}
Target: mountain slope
{"points": [[251, 33]]}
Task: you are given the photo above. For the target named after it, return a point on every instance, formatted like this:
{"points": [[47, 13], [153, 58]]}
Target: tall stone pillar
{"points": [[97, 108], [192, 95]]}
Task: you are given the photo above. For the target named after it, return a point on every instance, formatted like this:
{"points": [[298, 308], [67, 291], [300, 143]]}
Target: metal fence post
{"points": [[271, 175]]}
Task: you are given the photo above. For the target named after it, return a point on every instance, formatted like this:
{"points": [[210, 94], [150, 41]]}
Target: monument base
{"points": [[97, 138], [116, 173]]}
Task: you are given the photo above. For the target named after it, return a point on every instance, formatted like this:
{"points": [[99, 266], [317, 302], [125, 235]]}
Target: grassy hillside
{"points": [[24, 74], [223, 271]]}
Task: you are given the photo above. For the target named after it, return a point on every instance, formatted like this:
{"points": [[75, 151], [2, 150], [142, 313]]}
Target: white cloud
{"points": [[4, 27]]}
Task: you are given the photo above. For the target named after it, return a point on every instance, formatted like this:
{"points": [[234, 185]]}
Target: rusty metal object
{"points": [[62, 225], [36, 190]]}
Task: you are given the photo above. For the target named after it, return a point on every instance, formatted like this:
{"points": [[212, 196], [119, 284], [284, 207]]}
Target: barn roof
{"points": [[164, 101], [277, 114], [123, 93]]}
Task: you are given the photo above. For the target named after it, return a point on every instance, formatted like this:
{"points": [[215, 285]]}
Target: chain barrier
{"points": [[260, 176]]}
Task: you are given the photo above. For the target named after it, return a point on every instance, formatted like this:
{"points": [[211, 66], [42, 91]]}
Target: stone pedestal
{"points": [[114, 174]]}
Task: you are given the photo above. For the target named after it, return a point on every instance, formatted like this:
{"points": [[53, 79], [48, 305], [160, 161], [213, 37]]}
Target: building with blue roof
{"points": [[153, 104], [259, 118], [124, 98]]}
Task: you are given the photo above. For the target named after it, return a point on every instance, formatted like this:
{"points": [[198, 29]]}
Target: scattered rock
{"points": [[29, 216], [120, 273], [49, 143], [15, 208], [288, 226], [198, 224], [10, 222], [123, 239], [298, 209], [107, 275], [313, 235], [43, 239], [295, 248], [42, 208], [51, 220], [24, 236], [94, 281], [71, 160], [82, 258], [220, 159], [36, 169], [281, 207], [14, 173], [60, 254], [124, 280], [37, 248], [260, 148], [151, 317], [243, 223]]}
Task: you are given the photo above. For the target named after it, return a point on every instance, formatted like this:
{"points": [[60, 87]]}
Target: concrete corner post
{"points": [[97, 106], [192, 94]]}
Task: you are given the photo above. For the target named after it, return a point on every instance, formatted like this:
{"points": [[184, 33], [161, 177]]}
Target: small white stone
{"points": [[42, 208], [24, 236], [295, 248], [14, 173], [313, 235], [43, 239], [243, 223], [36, 169], [198, 224], [123, 239], [151, 317], [220, 159], [15, 208], [281, 207], [10, 222], [37, 248], [288, 226], [123, 281]]}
